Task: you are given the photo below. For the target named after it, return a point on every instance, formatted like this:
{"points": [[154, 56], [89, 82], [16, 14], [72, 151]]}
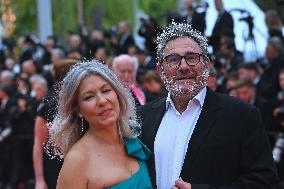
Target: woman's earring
{"points": [[82, 122]]}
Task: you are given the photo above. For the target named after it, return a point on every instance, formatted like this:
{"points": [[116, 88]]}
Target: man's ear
{"points": [[208, 64]]}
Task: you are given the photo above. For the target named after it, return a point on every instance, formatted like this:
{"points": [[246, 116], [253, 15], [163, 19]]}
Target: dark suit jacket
{"points": [[227, 150], [125, 41]]}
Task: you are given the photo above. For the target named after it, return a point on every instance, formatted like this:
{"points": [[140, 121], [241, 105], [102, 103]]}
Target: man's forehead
{"points": [[182, 42], [125, 65]]}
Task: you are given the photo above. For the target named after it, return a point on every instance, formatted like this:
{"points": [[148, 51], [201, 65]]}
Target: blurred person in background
{"points": [[30, 68], [23, 132], [275, 56], [278, 129], [11, 64], [153, 86], [279, 104], [194, 17], [148, 30], [48, 45], [73, 54], [39, 87], [95, 41], [132, 50], [227, 50], [125, 68], [253, 72], [23, 86], [226, 82], [212, 79], [224, 23], [246, 91], [125, 38], [8, 109], [274, 24], [57, 54], [7, 78], [46, 170], [101, 54], [27, 47], [75, 43]]}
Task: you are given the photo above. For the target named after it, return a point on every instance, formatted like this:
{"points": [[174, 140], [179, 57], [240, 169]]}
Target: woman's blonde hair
{"points": [[66, 128]]}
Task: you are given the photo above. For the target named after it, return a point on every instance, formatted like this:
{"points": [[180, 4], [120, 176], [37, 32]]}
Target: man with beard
{"points": [[201, 139]]}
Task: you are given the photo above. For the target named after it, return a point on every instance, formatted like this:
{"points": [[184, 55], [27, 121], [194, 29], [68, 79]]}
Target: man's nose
{"points": [[126, 74], [183, 64]]}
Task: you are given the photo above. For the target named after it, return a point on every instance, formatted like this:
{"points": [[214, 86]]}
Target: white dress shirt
{"points": [[171, 142]]}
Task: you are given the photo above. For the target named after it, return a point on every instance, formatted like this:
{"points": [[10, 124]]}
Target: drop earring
{"points": [[82, 122]]}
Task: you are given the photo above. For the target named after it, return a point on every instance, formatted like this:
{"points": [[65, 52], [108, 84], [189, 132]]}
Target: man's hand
{"points": [[180, 184]]}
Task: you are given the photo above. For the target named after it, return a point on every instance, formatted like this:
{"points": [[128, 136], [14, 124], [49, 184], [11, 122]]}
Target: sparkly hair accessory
{"points": [[175, 30]]}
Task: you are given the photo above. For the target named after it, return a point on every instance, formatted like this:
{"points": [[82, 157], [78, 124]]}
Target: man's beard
{"points": [[194, 85]]}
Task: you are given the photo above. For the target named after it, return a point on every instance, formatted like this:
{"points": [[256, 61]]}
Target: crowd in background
{"points": [[27, 77]]}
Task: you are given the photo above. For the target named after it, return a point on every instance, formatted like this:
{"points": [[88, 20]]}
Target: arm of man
{"points": [[256, 163], [73, 172]]}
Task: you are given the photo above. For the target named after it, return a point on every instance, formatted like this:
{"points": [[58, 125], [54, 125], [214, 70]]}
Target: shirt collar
{"points": [[200, 97]]}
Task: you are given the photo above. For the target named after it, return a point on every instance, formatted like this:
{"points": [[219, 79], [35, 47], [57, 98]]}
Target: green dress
{"points": [[140, 179]]}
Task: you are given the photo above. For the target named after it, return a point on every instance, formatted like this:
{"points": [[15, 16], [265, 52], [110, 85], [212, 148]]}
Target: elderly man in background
{"points": [[125, 67]]}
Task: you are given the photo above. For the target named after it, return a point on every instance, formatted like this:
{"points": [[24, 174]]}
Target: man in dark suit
{"points": [[201, 139], [8, 108], [223, 24], [125, 39]]}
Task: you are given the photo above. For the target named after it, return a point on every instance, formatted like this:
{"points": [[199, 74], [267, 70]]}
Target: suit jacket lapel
{"points": [[152, 123], [202, 128]]}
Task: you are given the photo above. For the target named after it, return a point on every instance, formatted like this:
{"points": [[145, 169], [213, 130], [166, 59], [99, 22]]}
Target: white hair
{"points": [[123, 57], [38, 79]]}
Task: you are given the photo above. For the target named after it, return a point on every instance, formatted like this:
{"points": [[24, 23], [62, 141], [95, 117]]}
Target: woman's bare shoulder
{"points": [[73, 172]]}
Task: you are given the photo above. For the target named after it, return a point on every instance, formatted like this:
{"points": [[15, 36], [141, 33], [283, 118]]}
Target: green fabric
{"points": [[140, 179]]}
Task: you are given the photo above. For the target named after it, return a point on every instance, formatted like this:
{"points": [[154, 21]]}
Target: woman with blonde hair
{"points": [[95, 131]]}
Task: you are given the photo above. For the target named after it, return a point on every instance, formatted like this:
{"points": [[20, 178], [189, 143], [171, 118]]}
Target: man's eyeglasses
{"points": [[174, 60]]}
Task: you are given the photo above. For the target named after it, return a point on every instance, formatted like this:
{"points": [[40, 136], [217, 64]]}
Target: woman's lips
{"points": [[106, 112]]}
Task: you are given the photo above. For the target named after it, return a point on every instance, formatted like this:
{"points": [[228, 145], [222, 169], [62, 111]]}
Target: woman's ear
{"points": [[79, 114]]}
